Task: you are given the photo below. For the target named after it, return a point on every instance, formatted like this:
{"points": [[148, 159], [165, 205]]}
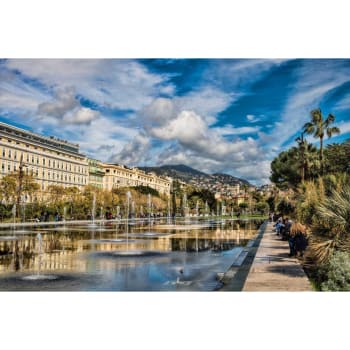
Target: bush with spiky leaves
{"points": [[331, 226]]}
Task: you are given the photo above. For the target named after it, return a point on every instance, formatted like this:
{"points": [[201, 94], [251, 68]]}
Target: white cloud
{"points": [[207, 102], [256, 172], [254, 119], [18, 96], [123, 84], [231, 130], [65, 107], [81, 116], [159, 111], [197, 145], [63, 102], [134, 152], [344, 103]]}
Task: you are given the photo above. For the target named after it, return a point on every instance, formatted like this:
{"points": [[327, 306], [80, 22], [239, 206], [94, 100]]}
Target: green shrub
{"points": [[337, 273], [147, 190]]}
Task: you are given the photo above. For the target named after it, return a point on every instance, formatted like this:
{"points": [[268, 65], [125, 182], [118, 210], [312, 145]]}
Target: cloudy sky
{"points": [[230, 115]]}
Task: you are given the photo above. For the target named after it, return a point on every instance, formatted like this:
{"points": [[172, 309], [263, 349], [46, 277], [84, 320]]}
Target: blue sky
{"points": [[229, 115]]}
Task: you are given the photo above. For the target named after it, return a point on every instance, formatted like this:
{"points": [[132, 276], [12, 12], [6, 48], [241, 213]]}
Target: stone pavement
{"points": [[272, 269]]}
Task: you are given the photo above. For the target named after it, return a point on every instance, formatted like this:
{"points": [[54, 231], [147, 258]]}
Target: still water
{"points": [[115, 256]]}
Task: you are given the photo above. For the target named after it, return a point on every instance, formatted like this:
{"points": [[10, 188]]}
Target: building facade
{"points": [[50, 160], [96, 173], [117, 175]]}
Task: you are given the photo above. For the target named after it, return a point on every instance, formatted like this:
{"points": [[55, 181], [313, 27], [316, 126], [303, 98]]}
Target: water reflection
{"points": [[160, 257]]}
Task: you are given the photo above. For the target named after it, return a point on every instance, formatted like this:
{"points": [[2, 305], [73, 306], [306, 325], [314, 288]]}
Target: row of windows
{"points": [[50, 144], [96, 178], [50, 175], [139, 177], [11, 154]]}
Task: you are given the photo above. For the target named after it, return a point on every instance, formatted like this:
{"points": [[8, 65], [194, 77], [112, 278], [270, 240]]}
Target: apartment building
{"points": [[58, 162], [51, 161], [96, 173], [117, 175]]}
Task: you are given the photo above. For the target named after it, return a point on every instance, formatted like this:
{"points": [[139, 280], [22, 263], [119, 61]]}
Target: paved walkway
{"points": [[272, 269]]}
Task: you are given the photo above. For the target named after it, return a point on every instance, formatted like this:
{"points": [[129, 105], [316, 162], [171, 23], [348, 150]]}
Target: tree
{"points": [[302, 145], [56, 193], [285, 170], [318, 127], [8, 187], [337, 157], [262, 207]]}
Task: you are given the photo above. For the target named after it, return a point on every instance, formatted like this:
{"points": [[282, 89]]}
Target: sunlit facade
{"points": [[50, 160], [117, 175]]}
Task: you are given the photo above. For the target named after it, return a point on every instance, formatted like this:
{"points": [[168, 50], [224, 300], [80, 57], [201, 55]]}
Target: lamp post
{"points": [[20, 184]]}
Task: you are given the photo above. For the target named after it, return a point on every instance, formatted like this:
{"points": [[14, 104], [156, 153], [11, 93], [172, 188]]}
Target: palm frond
{"points": [[333, 130], [309, 128], [316, 116]]}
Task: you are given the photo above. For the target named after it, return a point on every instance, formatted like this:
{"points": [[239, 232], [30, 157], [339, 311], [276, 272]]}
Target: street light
{"points": [[20, 182]]}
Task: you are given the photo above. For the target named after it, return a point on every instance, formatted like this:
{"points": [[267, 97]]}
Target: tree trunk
{"points": [[321, 154]]}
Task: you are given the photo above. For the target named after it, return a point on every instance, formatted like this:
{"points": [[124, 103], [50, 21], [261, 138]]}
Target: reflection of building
{"points": [[50, 160], [117, 175], [96, 173]]}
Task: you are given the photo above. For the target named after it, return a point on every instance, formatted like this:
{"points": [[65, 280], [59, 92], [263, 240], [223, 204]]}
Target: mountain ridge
{"points": [[195, 177]]}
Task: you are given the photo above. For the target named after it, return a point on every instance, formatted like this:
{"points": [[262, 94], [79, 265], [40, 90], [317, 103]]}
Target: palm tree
{"points": [[318, 127], [302, 143], [308, 155]]}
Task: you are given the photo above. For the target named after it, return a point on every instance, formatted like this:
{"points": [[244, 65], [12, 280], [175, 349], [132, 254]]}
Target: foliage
{"points": [[262, 207], [337, 273], [284, 169], [147, 190], [319, 126], [337, 157], [331, 226], [8, 188], [285, 207], [243, 205], [203, 195]]}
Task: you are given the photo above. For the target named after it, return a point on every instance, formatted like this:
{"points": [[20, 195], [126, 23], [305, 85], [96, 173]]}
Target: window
{"points": [[9, 153], [15, 156]]}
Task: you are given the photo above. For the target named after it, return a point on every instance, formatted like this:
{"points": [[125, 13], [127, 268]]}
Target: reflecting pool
{"points": [[145, 255]]}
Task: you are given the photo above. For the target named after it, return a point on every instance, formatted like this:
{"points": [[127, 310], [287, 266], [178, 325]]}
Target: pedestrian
{"points": [[301, 241]]}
